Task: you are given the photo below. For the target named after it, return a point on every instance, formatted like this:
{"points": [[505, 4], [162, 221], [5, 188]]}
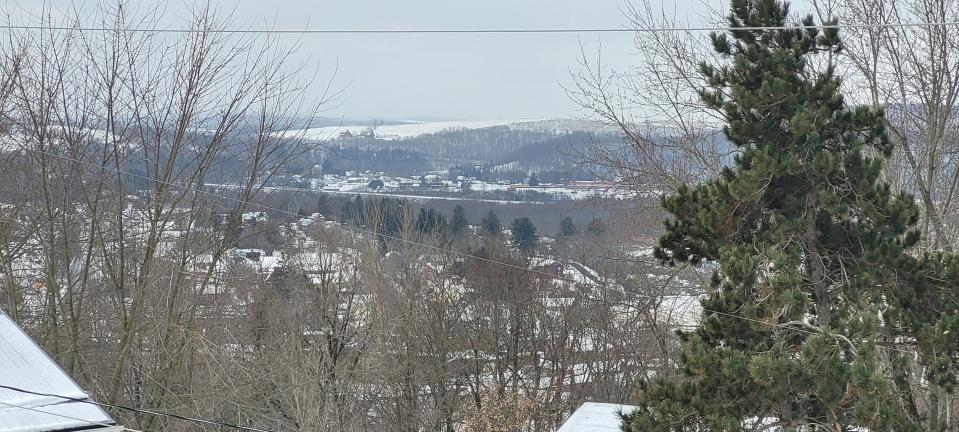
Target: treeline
{"points": [[544, 150], [391, 161], [388, 217]]}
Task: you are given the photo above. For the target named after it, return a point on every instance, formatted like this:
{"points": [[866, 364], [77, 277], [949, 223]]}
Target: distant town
{"points": [[439, 185]]}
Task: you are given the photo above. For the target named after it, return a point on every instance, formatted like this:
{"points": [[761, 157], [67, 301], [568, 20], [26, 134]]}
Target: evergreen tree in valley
{"points": [[814, 277], [596, 227], [523, 234], [387, 216], [353, 212], [431, 221], [491, 223], [458, 223], [323, 205], [567, 228]]}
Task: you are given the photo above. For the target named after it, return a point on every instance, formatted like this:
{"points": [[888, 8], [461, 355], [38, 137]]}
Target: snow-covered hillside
{"points": [[414, 129]]}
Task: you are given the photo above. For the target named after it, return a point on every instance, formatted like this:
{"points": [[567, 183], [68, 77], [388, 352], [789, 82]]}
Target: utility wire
{"points": [[482, 30], [411, 242], [127, 408], [89, 422], [416, 243]]}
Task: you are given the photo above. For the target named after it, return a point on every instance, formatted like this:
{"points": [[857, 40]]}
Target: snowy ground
{"points": [[408, 130], [428, 198]]}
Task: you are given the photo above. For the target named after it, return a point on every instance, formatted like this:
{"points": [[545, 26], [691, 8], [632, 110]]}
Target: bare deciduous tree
{"points": [[668, 136], [121, 132], [912, 73]]}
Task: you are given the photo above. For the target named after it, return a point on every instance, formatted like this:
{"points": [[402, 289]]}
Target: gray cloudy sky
{"points": [[463, 75], [466, 76]]}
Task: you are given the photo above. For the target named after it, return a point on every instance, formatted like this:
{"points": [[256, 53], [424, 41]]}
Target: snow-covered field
{"points": [[431, 198], [408, 130], [413, 129]]}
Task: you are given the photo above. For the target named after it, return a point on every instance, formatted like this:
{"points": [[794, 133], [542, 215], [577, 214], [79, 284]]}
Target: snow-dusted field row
{"points": [[401, 131]]}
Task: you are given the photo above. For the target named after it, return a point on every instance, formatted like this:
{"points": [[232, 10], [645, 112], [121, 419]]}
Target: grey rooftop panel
{"points": [[24, 365]]}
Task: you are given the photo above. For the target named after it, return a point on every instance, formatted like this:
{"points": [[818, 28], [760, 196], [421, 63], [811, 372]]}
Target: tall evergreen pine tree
{"points": [[491, 223], [459, 222], [811, 248], [523, 234]]}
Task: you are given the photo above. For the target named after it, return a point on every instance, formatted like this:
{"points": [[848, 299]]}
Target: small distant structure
{"points": [[248, 254], [403, 183], [37, 395], [596, 417], [521, 187], [432, 181], [550, 267], [254, 217], [597, 185]]}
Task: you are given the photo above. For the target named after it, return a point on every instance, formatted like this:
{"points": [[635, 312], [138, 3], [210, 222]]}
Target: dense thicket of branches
{"points": [[110, 138], [133, 160], [133, 248]]}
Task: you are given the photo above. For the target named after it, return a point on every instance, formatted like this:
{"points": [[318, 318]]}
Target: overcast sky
{"points": [[466, 76]]}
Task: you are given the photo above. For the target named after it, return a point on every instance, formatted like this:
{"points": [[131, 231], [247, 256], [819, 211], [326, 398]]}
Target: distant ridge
{"points": [[411, 129]]}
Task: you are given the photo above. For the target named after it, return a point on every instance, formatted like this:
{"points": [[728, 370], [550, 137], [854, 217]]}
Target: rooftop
{"points": [[30, 383], [595, 417]]}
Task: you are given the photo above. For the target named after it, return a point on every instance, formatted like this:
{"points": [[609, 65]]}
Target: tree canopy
{"points": [[596, 227], [491, 223], [818, 303], [431, 221], [458, 223], [523, 234], [567, 228]]}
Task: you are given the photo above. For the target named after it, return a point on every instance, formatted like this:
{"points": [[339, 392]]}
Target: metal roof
{"points": [[25, 366], [595, 417]]}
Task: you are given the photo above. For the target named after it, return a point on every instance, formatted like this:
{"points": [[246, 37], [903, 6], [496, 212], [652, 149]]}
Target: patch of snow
{"points": [[406, 130], [596, 417]]}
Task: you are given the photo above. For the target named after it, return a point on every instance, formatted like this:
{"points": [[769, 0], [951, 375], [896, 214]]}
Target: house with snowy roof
{"points": [[36, 395], [596, 417]]}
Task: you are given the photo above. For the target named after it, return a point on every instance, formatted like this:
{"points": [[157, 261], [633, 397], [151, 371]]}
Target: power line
{"points": [[416, 243], [404, 240], [482, 30], [132, 409], [88, 422]]}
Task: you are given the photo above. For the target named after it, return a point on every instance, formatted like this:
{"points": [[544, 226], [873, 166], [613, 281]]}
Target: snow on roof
{"points": [[24, 365], [595, 417], [270, 263]]}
